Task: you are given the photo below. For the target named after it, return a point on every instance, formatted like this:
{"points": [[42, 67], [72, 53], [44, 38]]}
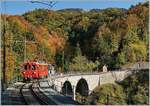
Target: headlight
{"points": [[24, 72], [34, 72]]}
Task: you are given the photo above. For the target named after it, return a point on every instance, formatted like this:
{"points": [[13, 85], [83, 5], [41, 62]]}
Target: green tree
{"points": [[81, 63]]}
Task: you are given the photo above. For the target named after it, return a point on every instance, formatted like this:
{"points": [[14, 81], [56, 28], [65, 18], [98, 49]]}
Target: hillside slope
{"points": [[133, 90], [112, 36]]}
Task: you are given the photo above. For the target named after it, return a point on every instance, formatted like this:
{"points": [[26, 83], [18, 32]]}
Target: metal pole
{"points": [[74, 93], [43, 52], [107, 98], [99, 82], [4, 85], [63, 61], [24, 48]]}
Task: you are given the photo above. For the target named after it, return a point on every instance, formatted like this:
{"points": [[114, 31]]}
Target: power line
{"points": [[51, 4]]}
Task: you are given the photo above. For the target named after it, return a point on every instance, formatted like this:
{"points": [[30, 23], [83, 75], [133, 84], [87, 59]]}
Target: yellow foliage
{"points": [[31, 48], [140, 49], [132, 21], [10, 64], [51, 41]]}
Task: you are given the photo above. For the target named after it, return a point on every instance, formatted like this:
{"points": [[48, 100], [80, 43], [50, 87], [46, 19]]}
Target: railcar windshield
{"points": [[33, 67]]}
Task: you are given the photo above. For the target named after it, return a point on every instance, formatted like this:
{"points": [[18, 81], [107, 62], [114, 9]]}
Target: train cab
{"points": [[34, 70], [30, 70]]}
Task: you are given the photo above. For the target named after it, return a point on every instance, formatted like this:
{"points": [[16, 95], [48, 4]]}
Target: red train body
{"points": [[34, 70]]}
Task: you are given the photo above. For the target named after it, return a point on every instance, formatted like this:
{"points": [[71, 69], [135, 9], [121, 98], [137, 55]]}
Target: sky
{"points": [[19, 7]]}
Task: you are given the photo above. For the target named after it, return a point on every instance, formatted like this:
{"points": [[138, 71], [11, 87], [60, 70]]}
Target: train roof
{"points": [[33, 62], [41, 63]]}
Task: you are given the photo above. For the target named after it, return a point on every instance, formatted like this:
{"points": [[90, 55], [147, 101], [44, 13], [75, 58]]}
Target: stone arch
{"points": [[67, 89], [82, 87]]}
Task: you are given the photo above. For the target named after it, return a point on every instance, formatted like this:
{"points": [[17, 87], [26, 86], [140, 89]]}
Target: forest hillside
{"points": [[77, 40]]}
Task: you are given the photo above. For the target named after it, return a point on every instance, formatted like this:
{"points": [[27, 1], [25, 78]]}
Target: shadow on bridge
{"points": [[82, 87], [67, 89]]}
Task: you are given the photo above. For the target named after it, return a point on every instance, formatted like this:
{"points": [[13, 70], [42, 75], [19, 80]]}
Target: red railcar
{"points": [[35, 70]]}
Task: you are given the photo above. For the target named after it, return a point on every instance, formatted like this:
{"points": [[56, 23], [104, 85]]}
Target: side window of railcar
{"points": [[25, 66], [29, 67]]}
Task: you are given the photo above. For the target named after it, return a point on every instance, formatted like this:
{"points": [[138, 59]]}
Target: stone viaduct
{"points": [[84, 84]]}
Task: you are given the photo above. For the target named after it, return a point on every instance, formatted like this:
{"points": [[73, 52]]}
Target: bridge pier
{"points": [[74, 93], [99, 81]]}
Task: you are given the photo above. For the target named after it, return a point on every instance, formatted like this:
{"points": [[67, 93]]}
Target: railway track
{"points": [[36, 94], [41, 94], [31, 94], [54, 96]]}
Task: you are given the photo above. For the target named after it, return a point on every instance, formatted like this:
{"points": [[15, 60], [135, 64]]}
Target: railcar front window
{"points": [[33, 67]]}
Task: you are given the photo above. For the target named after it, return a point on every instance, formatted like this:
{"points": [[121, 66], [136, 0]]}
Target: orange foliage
{"points": [[117, 24], [134, 10], [51, 41], [20, 21], [139, 10], [56, 42], [10, 64], [132, 21], [31, 48]]}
